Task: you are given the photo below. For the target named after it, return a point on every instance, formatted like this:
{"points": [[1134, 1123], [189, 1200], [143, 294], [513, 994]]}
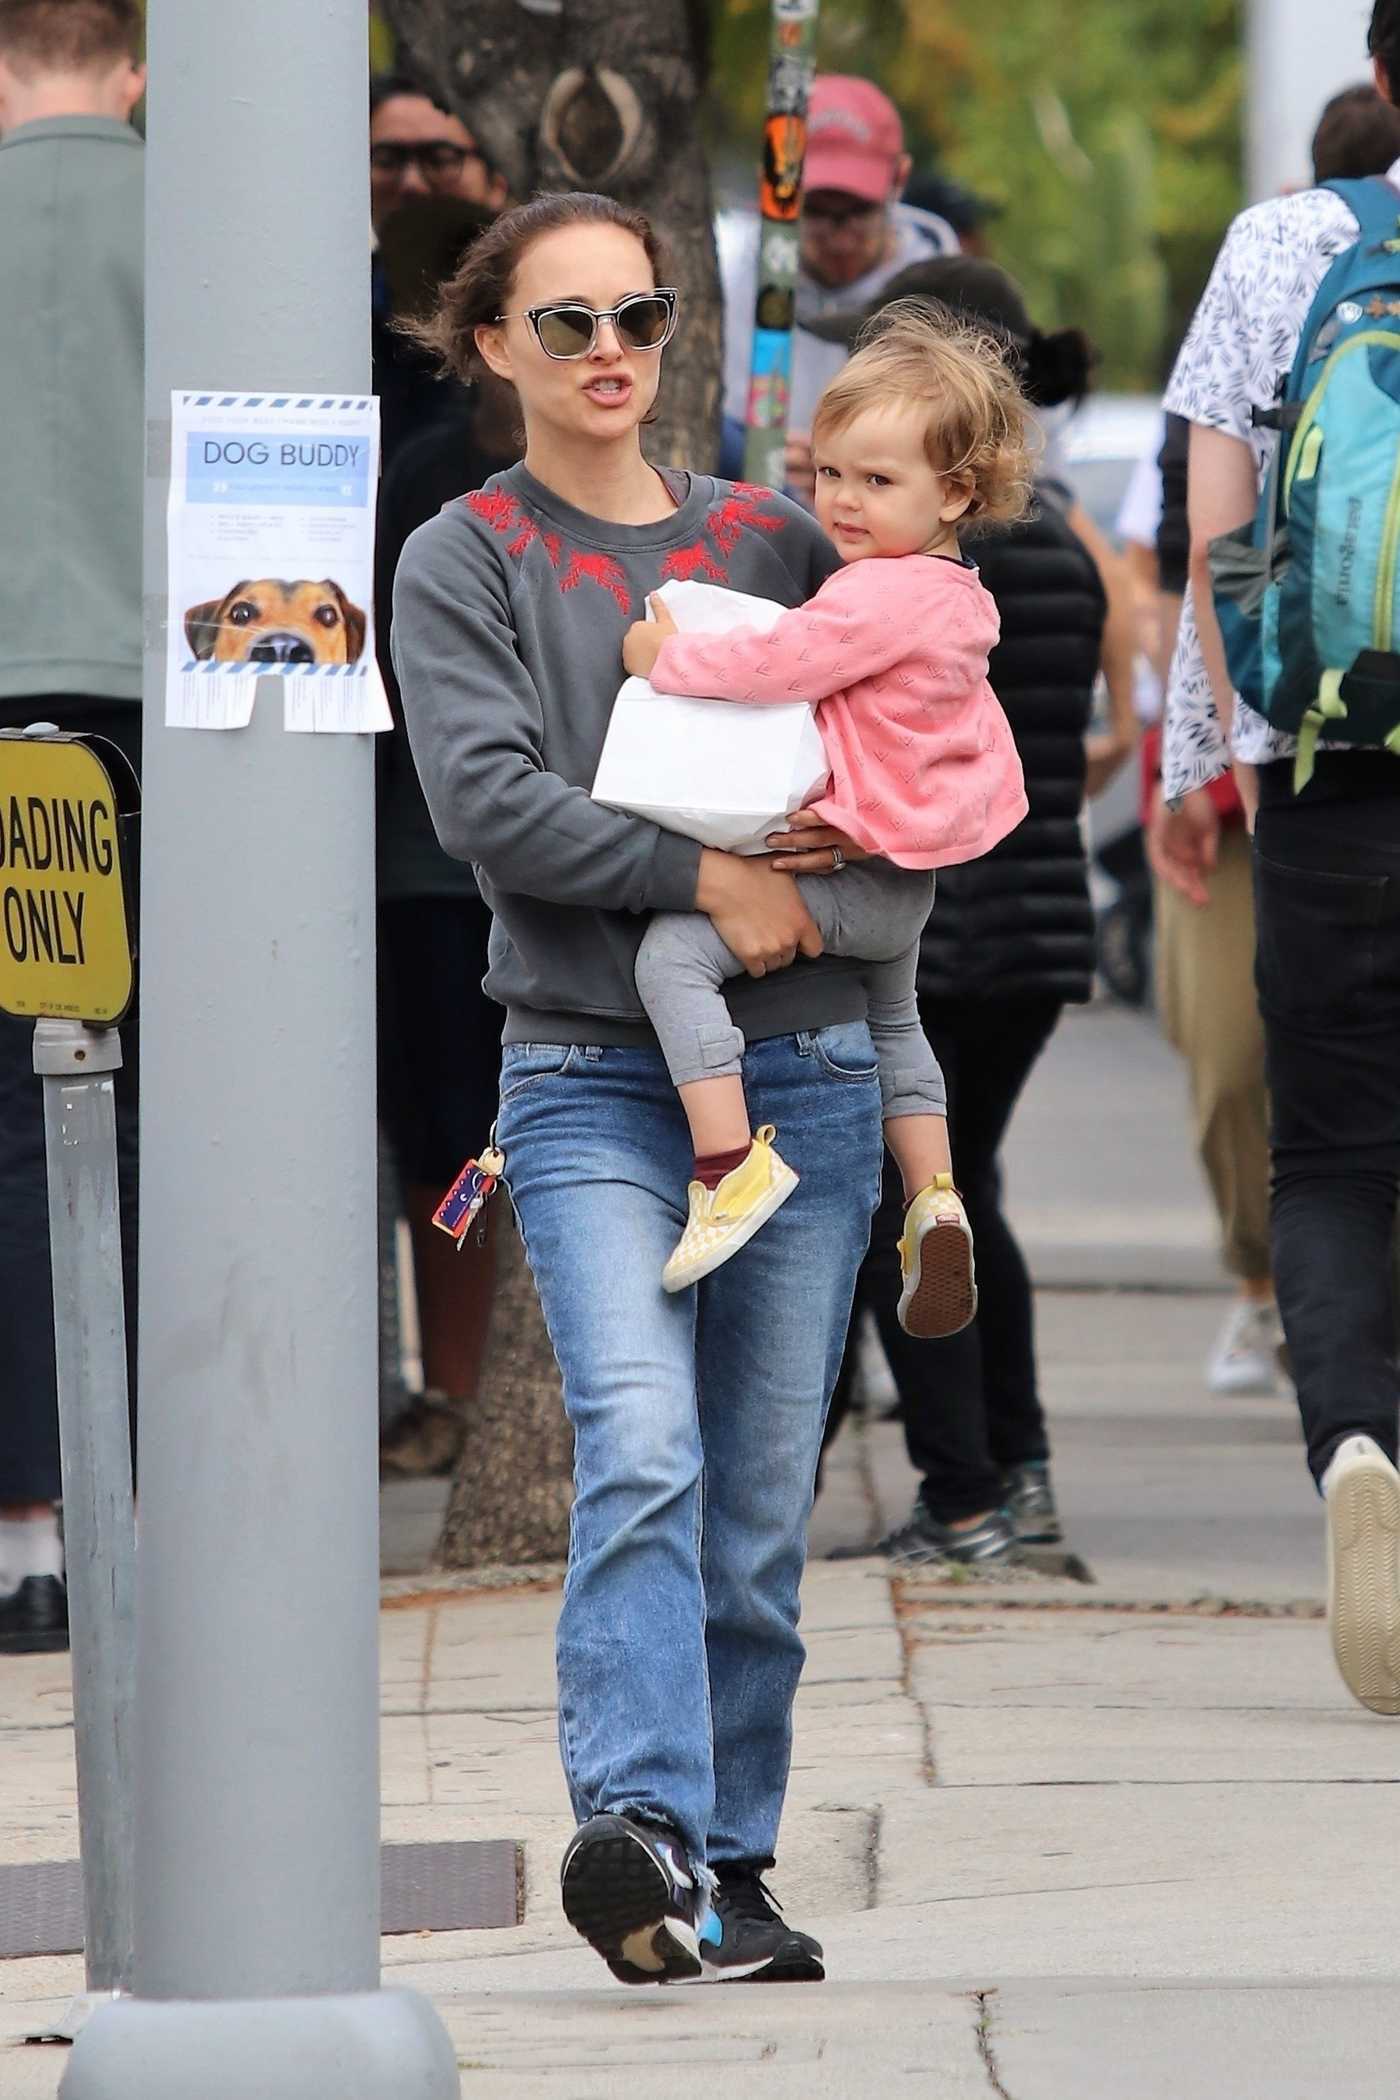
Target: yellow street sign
{"points": [[64, 949]]}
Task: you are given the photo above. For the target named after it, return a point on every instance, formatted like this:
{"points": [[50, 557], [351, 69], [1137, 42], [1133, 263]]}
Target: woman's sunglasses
{"points": [[646, 321]]}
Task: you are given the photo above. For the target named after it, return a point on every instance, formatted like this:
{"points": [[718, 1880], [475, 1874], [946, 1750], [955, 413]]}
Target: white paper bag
{"points": [[717, 770]]}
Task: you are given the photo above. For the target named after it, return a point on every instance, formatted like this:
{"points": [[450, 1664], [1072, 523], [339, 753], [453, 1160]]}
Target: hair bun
{"points": [[1057, 367]]}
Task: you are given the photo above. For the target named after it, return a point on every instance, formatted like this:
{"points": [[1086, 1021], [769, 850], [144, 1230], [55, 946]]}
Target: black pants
{"points": [[1327, 887], [439, 1035], [970, 1403], [29, 1456]]}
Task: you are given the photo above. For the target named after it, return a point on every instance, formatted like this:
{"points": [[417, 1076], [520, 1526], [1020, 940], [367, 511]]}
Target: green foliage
{"points": [[1109, 130]]}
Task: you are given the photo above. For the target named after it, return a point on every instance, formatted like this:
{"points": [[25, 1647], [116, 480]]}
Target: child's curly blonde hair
{"points": [[978, 431]]}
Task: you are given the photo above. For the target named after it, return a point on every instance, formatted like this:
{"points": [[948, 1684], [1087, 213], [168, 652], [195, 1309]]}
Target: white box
{"points": [[719, 771]]}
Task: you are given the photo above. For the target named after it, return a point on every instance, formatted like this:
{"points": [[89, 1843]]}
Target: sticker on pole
{"points": [[271, 562], [64, 949]]}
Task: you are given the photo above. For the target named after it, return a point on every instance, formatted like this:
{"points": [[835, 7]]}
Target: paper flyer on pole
{"points": [[271, 568]]}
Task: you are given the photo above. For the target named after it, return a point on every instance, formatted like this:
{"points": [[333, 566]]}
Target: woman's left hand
{"points": [[641, 645], [809, 847]]}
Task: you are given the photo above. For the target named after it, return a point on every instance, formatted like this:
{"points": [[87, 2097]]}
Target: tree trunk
{"points": [[596, 95], [514, 1481]]}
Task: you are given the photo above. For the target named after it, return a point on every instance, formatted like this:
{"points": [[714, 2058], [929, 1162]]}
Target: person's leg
{"points": [[913, 1091], [1328, 901], [873, 911], [1210, 1013], [970, 1402], [772, 1328], [1328, 967], [938, 1293], [29, 1461], [1013, 1035], [439, 1071], [939, 1382], [596, 1153], [683, 965], [33, 1613]]}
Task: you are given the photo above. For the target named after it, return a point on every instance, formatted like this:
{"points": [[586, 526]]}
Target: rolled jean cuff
{"points": [[912, 1093]]}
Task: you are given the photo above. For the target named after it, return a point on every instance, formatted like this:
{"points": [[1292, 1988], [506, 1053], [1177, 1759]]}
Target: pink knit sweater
{"points": [[893, 652]]}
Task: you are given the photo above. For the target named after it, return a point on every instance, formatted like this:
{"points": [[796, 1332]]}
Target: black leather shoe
{"points": [[34, 1618]]}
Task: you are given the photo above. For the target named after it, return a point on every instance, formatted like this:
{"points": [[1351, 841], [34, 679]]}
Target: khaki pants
{"points": [[1205, 994]]}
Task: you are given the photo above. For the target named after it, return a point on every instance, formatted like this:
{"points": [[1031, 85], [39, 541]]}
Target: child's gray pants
{"points": [[872, 911]]}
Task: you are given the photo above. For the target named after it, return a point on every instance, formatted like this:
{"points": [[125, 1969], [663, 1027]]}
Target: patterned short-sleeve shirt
{"points": [[1243, 338]]}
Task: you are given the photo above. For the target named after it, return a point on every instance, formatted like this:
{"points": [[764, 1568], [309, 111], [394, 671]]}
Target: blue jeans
{"points": [[697, 1418]]}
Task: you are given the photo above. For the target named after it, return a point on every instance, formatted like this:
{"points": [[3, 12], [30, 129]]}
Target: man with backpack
{"points": [[1290, 378]]}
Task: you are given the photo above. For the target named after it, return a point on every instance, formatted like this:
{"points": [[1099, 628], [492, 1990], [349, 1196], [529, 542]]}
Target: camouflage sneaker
{"points": [[426, 1440], [1030, 1504]]}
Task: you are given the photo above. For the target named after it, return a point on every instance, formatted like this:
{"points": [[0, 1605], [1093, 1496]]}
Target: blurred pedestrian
{"points": [[1009, 942], [1358, 133], [855, 234], [963, 209], [439, 1034], [1327, 874], [71, 350], [430, 184], [1210, 1011], [417, 148], [1205, 954]]}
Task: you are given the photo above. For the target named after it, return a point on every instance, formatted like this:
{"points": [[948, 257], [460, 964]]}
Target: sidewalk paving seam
{"points": [[425, 1675], [986, 2042], [1206, 1607]]}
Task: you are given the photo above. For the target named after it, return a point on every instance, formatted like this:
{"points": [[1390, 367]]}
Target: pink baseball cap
{"points": [[854, 138]]}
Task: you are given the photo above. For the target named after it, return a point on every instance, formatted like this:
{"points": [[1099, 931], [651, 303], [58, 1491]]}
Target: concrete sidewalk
{"points": [[1064, 1840]]}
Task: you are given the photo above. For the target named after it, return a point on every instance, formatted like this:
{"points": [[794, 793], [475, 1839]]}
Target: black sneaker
{"points": [[1030, 1504], [746, 1939], [34, 1618], [923, 1541], [628, 1888]]}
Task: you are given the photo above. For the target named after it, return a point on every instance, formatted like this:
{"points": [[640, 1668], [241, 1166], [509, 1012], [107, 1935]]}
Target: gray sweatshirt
{"points": [[509, 612], [73, 464]]}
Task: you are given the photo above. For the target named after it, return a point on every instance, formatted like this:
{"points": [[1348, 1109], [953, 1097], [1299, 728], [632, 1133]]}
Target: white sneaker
{"points": [[1362, 1491], [1244, 1360]]}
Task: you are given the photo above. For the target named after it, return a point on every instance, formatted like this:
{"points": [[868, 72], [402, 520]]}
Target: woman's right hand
{"points": [[756, 910]]}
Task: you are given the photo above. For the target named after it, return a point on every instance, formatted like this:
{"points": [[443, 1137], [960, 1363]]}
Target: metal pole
{"points": [[257, 1858], [1298, 54], [792, 58], [80, 1135]]}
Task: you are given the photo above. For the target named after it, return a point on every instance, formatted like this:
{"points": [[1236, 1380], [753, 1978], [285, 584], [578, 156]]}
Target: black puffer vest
{"points": [[1017, 923]]}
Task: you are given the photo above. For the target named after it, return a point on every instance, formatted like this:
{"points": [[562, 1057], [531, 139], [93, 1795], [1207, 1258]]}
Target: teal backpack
{"points": [[1308, 596]]}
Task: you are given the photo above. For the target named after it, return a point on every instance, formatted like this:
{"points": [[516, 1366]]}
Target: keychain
{"points": [[468, 1195]]}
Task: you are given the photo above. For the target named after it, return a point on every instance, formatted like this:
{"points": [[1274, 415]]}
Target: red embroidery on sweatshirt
{"points": [[506, 515], [745, 509], [597, 568]]}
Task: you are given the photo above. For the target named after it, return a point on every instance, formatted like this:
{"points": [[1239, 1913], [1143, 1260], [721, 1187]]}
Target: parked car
{"points": [[1102, 443]]}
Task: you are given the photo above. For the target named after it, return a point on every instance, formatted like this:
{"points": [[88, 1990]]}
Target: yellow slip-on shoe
{"points": [[935, 1254], [725, 1219]]}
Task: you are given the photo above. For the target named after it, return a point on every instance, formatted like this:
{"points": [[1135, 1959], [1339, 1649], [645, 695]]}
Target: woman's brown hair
{"points": [[480, 290]]}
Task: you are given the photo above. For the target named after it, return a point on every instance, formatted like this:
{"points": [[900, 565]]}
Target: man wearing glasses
{"points": [[419, 150], [855, 235]]}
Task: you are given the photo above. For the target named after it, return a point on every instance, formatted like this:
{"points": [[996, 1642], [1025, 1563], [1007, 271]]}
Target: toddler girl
{"points": [[923, 431]]}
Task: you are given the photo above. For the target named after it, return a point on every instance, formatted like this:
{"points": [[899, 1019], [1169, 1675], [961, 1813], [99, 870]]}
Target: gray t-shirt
{"points": [[71, 356], [509, 612]]}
